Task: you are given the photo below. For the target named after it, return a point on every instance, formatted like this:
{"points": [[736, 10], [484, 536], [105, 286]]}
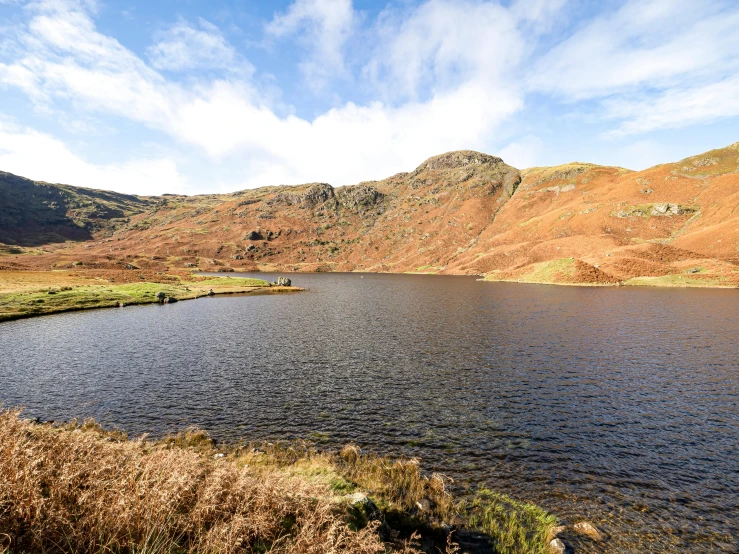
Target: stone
{"points": [[557, 547], [250, 248], [554, 532], [588, 529], [356, 498], [424, 505], [211, 293], [161, 296], [283, 282], [254, 235], [170, 300]]}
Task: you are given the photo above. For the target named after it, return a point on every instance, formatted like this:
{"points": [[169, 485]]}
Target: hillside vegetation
{"points": [[458, 213]]}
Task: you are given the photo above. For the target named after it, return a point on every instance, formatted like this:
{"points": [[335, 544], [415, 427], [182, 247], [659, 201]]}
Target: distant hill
{"points": [[458, 213]]}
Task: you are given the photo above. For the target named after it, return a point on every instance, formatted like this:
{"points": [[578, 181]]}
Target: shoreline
{"points": [[55, 297], [387, 502]]}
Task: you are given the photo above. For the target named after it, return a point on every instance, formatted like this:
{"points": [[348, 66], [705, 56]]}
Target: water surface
{"points": [[615, 405]]}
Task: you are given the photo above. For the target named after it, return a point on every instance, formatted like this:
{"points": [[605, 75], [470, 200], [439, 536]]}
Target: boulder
{"points": [[254, 235], [161, 296], [283, 282]]}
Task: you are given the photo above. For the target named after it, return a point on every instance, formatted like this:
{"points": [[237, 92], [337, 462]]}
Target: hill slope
{"points": [[458, 213]]}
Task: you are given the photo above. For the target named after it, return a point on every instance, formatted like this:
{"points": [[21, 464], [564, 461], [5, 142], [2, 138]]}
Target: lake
{"points": [[619, 406]]}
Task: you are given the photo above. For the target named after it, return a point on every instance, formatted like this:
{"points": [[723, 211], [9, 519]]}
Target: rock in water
{"points": [[557, 547], [585, 528], [283, 282]]}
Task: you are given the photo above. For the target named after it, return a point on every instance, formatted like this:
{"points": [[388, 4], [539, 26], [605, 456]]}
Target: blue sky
{"points": [[196, 96]]}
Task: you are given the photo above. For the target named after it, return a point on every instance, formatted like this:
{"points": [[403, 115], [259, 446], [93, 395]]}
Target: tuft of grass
{"points": [[512, 527]]}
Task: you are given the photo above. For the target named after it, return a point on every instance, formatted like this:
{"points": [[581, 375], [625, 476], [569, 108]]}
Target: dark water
{"points": [[615, 405]]}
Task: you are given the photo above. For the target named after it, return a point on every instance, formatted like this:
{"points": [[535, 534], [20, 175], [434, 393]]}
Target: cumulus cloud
{"points": [[444, 75], [72, 61], [21, 150]]}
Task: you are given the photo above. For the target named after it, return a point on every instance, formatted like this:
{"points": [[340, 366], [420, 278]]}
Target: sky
{"points": [[211, 96]]}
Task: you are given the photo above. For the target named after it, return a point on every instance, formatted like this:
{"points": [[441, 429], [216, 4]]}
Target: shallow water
{"points": [[615, 405]]}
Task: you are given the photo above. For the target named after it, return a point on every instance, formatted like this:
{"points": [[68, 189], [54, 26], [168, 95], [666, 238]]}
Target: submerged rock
{"points": [[588, 529]]}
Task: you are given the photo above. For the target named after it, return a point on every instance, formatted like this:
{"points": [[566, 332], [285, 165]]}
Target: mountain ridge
{"points": [[461, 212]]}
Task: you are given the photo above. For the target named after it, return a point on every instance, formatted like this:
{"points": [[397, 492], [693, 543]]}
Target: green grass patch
{"points": [[54, 300], [234, 282], [552, 271], [676, 280], [512, 527]]}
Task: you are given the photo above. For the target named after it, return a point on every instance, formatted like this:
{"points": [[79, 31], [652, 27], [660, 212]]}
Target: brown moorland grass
{"points": [[74, 490], [78, 488]]}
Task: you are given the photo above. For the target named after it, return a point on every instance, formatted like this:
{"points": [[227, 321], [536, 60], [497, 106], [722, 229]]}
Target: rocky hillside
{"points": [[35, 213], [458, 213]]}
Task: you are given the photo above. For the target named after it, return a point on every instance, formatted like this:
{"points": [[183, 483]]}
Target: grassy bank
{"points": [[58, 296], [77, 488]]}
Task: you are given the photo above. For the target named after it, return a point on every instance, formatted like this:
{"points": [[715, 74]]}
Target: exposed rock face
{"points": [[359, 198], [316, 193], [455, 160]]}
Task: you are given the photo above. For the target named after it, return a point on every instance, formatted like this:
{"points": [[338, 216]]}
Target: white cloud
{"points": [[227, 117], [183, 47], [449, 73], [323, 26], [441, 44], [522, 153], [674, 108], [659, 43], [22, 150]]}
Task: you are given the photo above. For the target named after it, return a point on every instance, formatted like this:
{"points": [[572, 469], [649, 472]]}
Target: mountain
{"points": [[458, 213]]}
